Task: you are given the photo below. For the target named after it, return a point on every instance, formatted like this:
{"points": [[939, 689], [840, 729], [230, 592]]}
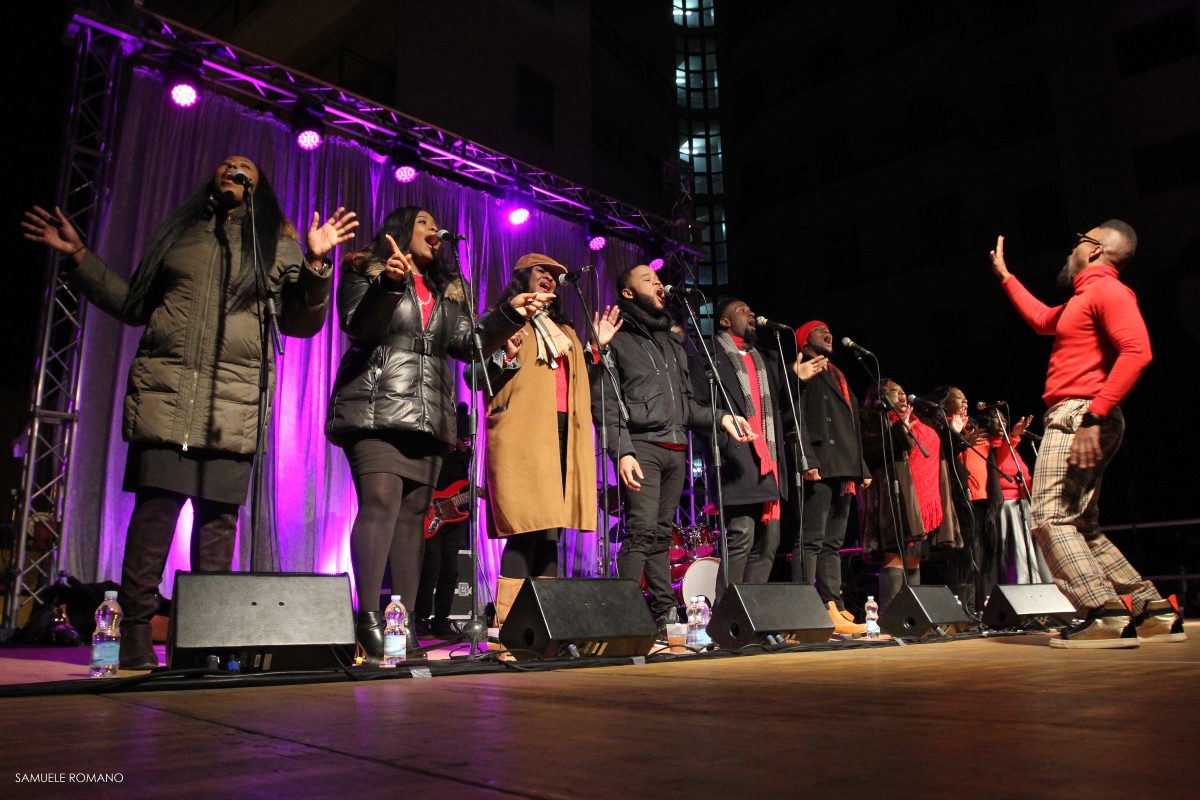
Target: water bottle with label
{"points": [[872, 609], [704, 616], [106, 641], [692, 619], [395, 634]]}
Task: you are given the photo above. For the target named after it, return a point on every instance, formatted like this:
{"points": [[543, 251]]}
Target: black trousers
{"points": [[752, 546], [439, 572], [826, 510], [650, 513], [148, 543]]}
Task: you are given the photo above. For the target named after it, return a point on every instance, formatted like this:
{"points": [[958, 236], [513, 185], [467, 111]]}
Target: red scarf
{"points": [[927, 473], [839, 379], [766, 465]]}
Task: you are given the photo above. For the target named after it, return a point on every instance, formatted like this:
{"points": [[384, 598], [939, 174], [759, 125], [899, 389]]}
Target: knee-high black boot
{"points": [[368, 632], [914, 576], [891, 581]]}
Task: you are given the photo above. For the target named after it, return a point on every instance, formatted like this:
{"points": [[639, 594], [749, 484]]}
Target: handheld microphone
{"points": [[770, 323], [675, 291], [858, 348], [982, 406], [447, 236], [572, 277], [240, 177], [918, 402]]}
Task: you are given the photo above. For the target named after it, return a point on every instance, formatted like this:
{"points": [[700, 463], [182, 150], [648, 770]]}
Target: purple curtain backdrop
{"points": [[165, 154]]}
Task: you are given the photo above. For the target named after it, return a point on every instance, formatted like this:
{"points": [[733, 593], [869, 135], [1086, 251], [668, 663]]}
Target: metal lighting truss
{"points": [[239, 71], [44, 493]]}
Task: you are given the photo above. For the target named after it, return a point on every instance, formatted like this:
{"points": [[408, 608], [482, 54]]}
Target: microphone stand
{"points": [[799, 459], [1022, 502], [271, 338], [475, 630], [714, 380], [606, 554]]}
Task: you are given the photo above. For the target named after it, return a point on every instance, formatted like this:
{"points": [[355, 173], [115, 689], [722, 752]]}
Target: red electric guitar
{"points": [[449, 505]]}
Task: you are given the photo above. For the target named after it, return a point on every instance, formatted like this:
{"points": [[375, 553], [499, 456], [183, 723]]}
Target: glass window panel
{"points": [[714, 143], [694, 63], [712, 78], [698, 145], [693, 4], [696, 80], [714, 126], [708, 18], [700, 164], [693, 20], [695, 46], [697, 99], [705, 276], [710, 44], [698, 127], [706, 4], [702, 188], [721, 231], [706, 234], [710, 61], [719, 252], [681, 96], [715, 163], [722, 274], [685, 157], [702, 213], [718, 183], [713, 102], [718, 213]]}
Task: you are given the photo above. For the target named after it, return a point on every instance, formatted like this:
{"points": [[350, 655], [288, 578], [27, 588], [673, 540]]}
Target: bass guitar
{"points": [[449, 505]]}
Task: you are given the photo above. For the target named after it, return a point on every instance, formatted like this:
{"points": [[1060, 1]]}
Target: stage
{"points": [[996, 717]]}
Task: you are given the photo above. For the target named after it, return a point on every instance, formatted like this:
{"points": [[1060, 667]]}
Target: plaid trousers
{"points": [[1088, 568]]}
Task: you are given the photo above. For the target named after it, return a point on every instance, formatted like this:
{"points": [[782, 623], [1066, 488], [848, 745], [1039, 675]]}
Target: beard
{"points": [[822, 350], [750, 337], [1065, 281]]}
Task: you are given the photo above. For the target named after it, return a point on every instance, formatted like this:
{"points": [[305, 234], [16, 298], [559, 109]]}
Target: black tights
{"points": [[388, 530], [529, 555]]}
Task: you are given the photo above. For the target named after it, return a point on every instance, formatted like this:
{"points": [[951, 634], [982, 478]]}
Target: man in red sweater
{"points": [[1100, 349]]}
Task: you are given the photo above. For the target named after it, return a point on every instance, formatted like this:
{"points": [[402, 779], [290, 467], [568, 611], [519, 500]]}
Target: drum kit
{"points": [[694, 569]]}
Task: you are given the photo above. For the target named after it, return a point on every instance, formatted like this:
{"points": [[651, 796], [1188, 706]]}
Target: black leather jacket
{"points": [[653, 370], [395, 376]]}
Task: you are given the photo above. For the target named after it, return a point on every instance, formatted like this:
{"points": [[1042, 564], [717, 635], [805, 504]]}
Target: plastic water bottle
{"points": [[692, 619], [106, 641], [395, 634], [872, 609], [703, 616]]}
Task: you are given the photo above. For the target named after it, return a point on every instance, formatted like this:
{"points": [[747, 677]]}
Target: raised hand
{"points": [[807, 370], [513, 345], [747, 434], [627, 468], [52, 230], [998, 265], [607, 325], [530, 303], [1022, 425], [398, 265], [337, 229]]}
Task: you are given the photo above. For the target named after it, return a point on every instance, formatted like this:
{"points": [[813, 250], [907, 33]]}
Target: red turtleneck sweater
{"points": [[1100, 341]]}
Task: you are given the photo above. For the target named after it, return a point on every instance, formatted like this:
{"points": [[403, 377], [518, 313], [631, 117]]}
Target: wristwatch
{"points": [[1090, 419]]}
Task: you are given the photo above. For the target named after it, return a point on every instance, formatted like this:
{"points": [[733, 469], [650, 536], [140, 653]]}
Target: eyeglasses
{"points": [[1085, 238]]}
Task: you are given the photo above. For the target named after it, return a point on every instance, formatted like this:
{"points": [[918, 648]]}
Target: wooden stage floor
{"points": [[987, 718]]}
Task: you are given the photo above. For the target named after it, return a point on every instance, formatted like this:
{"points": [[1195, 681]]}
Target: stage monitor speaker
{"points": [[601, 617], [923, 610], [1036, 605], [271, 622], [749, 612]]}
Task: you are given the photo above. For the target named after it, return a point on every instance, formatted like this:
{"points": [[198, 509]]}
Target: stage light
{"points": [[308, 124], [406, 161], [181, 78], [519, 216], [596, 236], [656, 264]]}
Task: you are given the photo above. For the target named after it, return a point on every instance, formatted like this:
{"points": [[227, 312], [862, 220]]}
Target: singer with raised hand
{"points": [[191, 410], [753, 475], [650, 451], [836, 470], [1101, 347], [392, 405], [541, 465]]}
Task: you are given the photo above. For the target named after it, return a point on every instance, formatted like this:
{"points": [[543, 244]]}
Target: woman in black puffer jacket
{"points": [[392, 408]]}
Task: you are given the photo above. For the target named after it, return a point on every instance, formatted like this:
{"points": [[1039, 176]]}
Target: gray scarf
{"points": [[764, 390]]}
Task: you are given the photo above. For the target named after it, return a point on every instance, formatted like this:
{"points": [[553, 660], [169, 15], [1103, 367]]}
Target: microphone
{"points": [[918, 402], [770, 323], [573, 277], [447, 236], [673, 291], [240, 177], [982, 406], [858, 348]]}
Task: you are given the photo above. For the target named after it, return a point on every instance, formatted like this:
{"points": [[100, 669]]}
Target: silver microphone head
{"points": [[240, 177], [846, 341]]}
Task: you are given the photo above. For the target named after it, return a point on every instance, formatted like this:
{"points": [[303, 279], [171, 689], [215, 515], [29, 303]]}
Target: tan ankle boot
{"points": [[842, 626], [506, 593]]}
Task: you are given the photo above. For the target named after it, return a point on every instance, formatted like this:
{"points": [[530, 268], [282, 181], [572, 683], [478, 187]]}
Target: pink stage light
{"points": [[184, 95], [656, 264], [597, 243], [308, 140], [404, 174], [518, 216]]}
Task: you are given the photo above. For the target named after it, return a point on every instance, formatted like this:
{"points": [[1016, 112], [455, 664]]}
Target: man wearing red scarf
{"points": [[833, 449], [1100, 349], [753, 474]]}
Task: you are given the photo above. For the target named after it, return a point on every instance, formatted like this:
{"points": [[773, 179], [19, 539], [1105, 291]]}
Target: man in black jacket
{"points": [[836, 469], [650, 450], [754, 476]]}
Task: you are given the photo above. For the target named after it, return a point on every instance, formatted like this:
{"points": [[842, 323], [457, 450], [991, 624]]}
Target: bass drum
{"points": [[700, 579]]}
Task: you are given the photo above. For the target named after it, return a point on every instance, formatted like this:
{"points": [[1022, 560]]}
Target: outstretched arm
{"points": [[1041, 317]]}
